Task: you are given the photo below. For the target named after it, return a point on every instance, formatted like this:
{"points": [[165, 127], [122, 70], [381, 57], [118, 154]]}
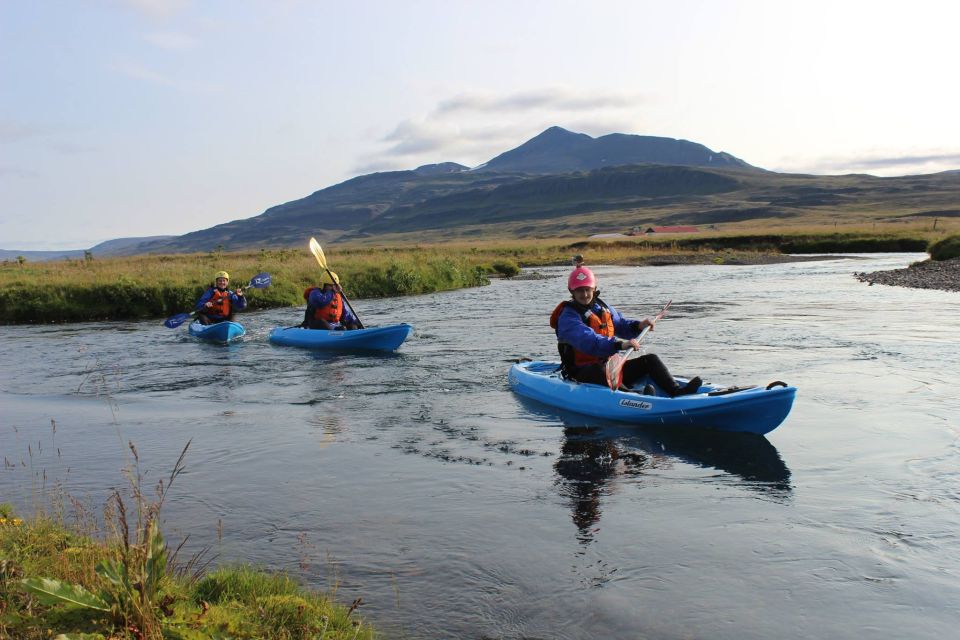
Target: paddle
{"points": [[259, 281], [614, 366], [322, 260]]}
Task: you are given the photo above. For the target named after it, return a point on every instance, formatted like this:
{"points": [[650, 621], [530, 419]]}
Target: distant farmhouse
{"points": [[681, 229]]}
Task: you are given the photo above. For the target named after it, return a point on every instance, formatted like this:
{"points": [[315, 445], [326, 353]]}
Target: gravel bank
{"points": [[929, 274]]}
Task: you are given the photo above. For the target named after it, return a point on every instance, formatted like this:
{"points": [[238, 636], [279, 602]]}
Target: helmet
{"points": [[329, 277], [222, 274], [581, 277]]}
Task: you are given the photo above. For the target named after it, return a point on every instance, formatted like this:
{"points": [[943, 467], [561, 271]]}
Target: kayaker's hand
{"points": [[208, 305], [643, 324], [626, 344], [240, 292]]}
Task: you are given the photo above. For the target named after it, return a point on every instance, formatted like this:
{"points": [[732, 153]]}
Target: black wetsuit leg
{"points": [[649, 365]]}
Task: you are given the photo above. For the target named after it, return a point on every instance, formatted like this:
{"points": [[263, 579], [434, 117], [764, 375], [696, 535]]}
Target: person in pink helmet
{"points": [[589, 331]]}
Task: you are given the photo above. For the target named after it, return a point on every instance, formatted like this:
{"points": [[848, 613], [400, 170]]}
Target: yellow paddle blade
{"points": [[318, 252]]}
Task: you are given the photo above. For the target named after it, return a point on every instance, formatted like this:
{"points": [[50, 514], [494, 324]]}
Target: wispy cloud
{"points": [[552, 98], [11, 132], [883, 164], [17, 172], [471, 128], [156, 8], [171, 41], [137, 71]]}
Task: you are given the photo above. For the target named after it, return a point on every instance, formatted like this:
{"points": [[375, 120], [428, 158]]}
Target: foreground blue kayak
{"points": [[387, 338], [752, 409], [219, 332]]}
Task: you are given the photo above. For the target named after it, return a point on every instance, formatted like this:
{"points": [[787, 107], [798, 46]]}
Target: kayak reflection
{"points": [[596, 452], [591, 457]]}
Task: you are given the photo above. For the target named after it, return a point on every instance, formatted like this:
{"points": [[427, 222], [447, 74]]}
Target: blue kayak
{"points": [[751, 409], [387, 338], [219, 332]]}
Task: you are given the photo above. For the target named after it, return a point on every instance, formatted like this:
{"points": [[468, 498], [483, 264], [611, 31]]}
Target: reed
{"points": [[124, 582], [144, 287]]}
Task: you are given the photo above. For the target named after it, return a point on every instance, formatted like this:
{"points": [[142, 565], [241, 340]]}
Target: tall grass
{"points": [[125, 582], [159, 286]]}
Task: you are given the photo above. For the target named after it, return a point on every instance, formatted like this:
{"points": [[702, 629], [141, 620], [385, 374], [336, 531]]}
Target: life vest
{"points": [[331, 312], [221, 304], [601, 324]]}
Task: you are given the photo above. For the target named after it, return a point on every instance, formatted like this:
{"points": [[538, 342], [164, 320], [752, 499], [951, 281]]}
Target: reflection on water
{"points": [[591, 458], [445, 501]]}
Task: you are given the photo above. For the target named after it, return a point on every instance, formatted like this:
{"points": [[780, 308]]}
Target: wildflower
{"points": [[17, 522], [3, 521]]}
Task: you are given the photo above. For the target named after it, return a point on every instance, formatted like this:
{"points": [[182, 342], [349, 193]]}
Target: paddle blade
{"points": [[614, 370], [318, 252], [175, 321], [259, 281]]}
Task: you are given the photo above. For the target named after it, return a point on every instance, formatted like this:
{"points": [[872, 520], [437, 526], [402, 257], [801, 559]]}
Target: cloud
{"points": [[17, 172], [137, 71], [72, 149], [171, 41], [882, 164], [11, 132], [551, 98], [471, 128], [156, 8]]}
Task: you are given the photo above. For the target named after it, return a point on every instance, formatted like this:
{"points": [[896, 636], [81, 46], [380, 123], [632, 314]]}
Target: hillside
{"points": [[564, 183]]}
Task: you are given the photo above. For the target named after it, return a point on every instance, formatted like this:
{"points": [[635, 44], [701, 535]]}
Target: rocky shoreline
{"points": [[943, 275]]}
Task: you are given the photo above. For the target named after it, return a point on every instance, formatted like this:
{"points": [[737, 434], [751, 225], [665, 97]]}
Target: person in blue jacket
{"points": [[218, 303], [326, 308], [589, 331]]}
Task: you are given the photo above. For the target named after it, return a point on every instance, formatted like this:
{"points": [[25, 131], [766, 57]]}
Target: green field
{"points": [[157, 286]]}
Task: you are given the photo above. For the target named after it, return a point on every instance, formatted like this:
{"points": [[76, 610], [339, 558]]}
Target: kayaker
{"points": [[218, 303], [325, 306], [589, 331]]}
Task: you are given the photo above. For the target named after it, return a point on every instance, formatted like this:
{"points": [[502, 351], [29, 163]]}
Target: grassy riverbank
{"points": [[116, 578], [159, 286]]}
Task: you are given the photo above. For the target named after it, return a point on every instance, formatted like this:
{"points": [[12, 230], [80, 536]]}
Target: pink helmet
{"points": [[581, 277]]}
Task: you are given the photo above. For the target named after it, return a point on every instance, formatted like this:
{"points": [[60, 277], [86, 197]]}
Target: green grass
{"points": [[125, 583], [160, 286], [946, 249]]}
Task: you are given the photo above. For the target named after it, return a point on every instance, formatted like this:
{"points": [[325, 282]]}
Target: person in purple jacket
{"points": [[326, 308], [589, 331]]}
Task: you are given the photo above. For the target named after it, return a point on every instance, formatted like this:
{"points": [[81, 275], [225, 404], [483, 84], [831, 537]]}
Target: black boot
{"points": [[690, 387]]}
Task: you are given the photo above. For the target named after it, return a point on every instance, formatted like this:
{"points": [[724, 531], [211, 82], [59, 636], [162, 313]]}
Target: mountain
{"points": [[564, 183], [117, 247], [557, 150], [557, 170]]}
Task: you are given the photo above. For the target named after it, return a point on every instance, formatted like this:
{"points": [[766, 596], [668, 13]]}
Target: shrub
{"points": [[945, 249], [508, 268]]}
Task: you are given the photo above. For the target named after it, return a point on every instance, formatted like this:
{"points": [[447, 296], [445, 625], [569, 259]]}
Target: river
{"points": [[420, 483]]}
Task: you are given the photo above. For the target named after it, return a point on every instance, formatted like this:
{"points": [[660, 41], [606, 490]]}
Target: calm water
{"points": [[420, 483]]}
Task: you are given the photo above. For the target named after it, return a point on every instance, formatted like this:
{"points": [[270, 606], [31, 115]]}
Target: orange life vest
{"points": [[602, 324], [221, 304], [331, 312]]}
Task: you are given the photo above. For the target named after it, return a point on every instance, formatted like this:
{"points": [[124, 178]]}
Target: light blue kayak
{"points": [[387, 338], [752, 409], [219, 332]]}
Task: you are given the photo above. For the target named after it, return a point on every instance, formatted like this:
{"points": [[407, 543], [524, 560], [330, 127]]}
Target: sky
{"points": [[131, 118]]}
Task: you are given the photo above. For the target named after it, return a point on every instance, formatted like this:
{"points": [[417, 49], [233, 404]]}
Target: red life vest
{"points": [[602, 324], [331, 312], [221, 304]]}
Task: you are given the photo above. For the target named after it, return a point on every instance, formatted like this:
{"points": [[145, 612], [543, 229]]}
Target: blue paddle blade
{"points": [[260, 281], [175, 321]]}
